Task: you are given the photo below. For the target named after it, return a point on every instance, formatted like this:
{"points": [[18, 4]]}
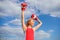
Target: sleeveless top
{"points": [[29, 34]]}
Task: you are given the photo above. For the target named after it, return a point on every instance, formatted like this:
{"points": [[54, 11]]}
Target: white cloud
{"points": [[9, 8], [29, 12], [7, 33], [41, 35], [50, 31], [12, 8], [15, 22], [46, 6], [13, 30], [15, 1]]}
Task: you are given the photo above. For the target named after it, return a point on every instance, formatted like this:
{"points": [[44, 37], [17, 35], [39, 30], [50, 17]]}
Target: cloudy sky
{"points": [[48, 11]]}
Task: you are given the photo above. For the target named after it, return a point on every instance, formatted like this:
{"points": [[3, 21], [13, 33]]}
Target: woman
{"points": [[28, 27]]}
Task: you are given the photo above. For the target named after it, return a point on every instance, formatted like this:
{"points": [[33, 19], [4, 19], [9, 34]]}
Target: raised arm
{"points": [[39, 25], [23, 7], [22, 20]]}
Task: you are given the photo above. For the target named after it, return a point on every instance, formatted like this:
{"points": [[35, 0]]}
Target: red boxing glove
{"points": [[23, 9], [36, 18], [24, 4], [33, 16]]}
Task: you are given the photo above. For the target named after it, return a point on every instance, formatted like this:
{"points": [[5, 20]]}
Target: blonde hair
{"points": [[28, 22]]}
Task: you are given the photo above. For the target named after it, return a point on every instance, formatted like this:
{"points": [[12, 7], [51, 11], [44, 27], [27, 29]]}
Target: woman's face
{"points": [[32, 22]]}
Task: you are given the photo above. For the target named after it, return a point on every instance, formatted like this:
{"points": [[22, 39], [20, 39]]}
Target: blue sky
{"points": [[48, 11]]}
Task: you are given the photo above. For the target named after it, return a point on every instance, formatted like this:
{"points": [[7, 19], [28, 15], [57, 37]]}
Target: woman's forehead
{"points": [[30, 19]]}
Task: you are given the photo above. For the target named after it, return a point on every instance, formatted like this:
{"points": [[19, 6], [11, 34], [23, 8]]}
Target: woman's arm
{"points": [[23, 23], [39, 25]]}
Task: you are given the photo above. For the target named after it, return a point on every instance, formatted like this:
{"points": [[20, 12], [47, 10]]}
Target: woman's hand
{"points": [[23, 6], [34, 17]]}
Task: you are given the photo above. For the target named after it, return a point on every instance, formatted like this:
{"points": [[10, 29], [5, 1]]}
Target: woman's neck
{"points": [[29, 26]]}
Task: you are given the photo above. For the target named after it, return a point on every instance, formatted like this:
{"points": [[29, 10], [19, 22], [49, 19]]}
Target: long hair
{"points": [[28, 22]]}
